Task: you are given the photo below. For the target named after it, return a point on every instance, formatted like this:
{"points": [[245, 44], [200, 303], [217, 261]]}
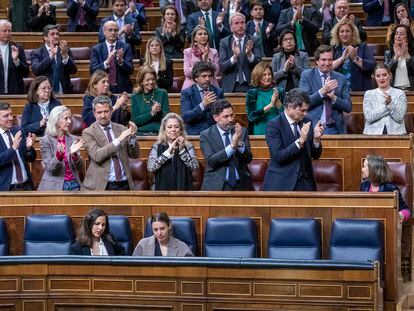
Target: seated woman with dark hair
{"points": [[41, 101], [378, 178], [263, 100], [94, 237], [172, 158], [400, 58], [162, 243], [401, 16]]}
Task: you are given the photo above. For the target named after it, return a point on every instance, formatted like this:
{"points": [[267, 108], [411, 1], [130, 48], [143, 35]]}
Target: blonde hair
{"points": [[162, 135], [148, 57], [335, 32], [141, 74], [97, 76], [54, 117]]}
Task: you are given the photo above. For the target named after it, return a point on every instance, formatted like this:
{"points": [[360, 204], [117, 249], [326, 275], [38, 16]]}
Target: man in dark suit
{"points": [[109, 145], [212, 20], [261, 29], [377, 13], [293, 143], [197, 99], [273, 8], [54, 60], [114, 57], [40, 14], [184, 7], [13, 65], [328, 91], [127, 25], [226, 149], [239, 53], [15, 151], [305, 21], [341, 10], [82, 15]]}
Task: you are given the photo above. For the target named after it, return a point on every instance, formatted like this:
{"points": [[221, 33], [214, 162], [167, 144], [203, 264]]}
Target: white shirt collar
{"points": [[289, 119]]}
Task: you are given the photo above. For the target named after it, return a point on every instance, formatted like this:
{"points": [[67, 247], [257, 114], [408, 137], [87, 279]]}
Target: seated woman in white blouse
{"points": [[384, 107], [400, 58]]}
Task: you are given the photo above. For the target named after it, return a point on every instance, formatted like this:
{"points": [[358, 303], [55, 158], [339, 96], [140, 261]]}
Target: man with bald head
{"points": [[341, 10], [114, 57], [13, 65]]}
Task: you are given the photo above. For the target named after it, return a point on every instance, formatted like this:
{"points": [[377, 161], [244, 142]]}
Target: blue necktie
{"points": [[232, 165], [56, 76]]}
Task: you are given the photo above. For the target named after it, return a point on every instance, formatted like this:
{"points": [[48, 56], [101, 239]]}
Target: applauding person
{"points": [[60, 153], [149, 104], [293, 142], [400, 58], [172, 158]]}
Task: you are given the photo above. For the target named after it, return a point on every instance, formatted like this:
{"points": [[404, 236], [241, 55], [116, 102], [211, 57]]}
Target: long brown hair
{"points": [[85, 237], [140, 76], [97, 76]]}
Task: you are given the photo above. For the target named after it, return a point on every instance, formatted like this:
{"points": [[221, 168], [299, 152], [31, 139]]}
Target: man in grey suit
{"points": [[108, 145], [226, 149], [239, 53], [328, 91]]}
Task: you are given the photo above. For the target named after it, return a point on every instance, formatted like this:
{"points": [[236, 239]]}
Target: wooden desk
{"points": [[200, 206], [139, 284]]}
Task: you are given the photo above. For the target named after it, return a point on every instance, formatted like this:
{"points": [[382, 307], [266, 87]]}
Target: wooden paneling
{"points": [[260, 206], [151, 287]]}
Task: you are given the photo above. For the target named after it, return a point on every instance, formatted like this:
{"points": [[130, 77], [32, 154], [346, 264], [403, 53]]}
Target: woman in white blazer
{"points": [[384, 107]]}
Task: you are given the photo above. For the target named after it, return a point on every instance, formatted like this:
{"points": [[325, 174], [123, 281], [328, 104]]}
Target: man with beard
{"points": [[226, 149], [197, 99]]}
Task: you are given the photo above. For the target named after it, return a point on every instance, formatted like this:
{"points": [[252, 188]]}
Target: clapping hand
{"points": [[318, 132], [236, 49], [156, 108], [304, 132], [30, 140], [387, 98], [237, 135], [15, 52], [76, 146], [249, 48]]}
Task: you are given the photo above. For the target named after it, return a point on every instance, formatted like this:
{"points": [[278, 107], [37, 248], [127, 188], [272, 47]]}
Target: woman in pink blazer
{"points": [[198, 51]]}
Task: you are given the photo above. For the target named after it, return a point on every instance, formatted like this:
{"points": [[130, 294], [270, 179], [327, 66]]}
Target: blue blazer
{"points": [[269, 43], [139, 14], [284, 167], [42, 66], [388, 187], [92, 9], [310, 82], [195, 119], [272, 11], [192, 22], [31, 117], [99, 54], [360, 77], [7, 155], [135, 38]]}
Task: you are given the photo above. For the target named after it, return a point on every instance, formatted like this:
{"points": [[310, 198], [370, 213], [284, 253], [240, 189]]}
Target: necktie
{"points": [[120, 24], [81, 16], [232, 165], [298, 33], [209, 29], [3, 82], [179, 9], [115, 159], [112, 68], [56, 75], [16, 163], [295, 130], [328, 104], [240, 74], [386, 8]]}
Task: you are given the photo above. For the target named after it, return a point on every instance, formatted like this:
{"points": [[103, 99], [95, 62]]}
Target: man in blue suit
{"points": [[212, 20], [127, 25], [15, 151], [328, 91], [376, 12], [196, 100], [114, 57], [82, 15], [54, 60], [293, 143]]}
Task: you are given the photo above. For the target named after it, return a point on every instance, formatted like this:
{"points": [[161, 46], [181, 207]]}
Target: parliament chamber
{"points": [[60, 282]]}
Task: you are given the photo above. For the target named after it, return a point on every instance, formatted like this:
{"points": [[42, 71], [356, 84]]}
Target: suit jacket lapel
{"points": [[287, 128], [172, 248], [217, 138], [100, 135], [196, 94]]}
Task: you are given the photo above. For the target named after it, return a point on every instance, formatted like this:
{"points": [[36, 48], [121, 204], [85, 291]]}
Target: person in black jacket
{"points": [[94, 237], [40, 14]]}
